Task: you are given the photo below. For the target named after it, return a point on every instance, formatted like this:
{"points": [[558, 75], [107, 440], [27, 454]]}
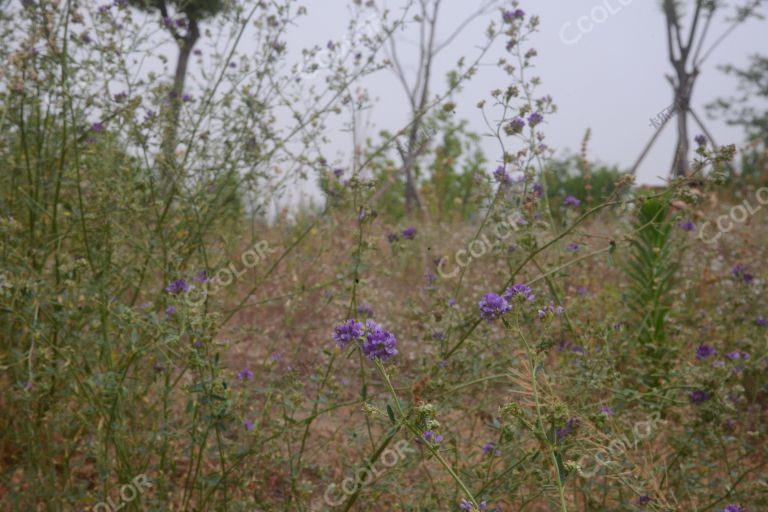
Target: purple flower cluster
{"points": [[409, 233], [567, 429], [535, 119], [245, 374], [701, 140], [467, 506], [699, 396], [761, 322], [555, 310], [735, 355], [378, 344], [365, 310], [516, 125], [520, 291], [501, 175], [178, 286], [493, 307], [734, 508], [643, 500], [510, 16], [740, 271], [347, 332], [704, 351], [490, 448], [432, 437], [571, 201], [687, 226]]}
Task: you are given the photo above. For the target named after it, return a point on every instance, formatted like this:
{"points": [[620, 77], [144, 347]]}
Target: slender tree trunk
{"points": [[186, 44], [680, 165], [411, 195]]}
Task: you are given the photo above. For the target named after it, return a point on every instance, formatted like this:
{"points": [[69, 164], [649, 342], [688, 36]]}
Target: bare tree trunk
{"points": [[682, 101], [186, 44]]}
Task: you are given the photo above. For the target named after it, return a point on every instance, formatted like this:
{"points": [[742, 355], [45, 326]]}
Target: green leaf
{"points": [[391, 414]]}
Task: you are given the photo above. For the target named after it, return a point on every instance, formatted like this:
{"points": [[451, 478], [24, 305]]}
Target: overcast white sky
{"points": [[611, 80]]}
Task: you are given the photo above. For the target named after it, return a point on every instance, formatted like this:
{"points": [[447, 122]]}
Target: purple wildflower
{"points": [[572, 246], [97, 127], [567, 429], [511, 16], [518, 290], [740, 271], [699, 396], [705, 351], [365, 310], [761, 322], [338, 172], [571, 201], [606, 410], [516, 125], [409, 233], [346, 332], [733, 356], [170, 310], [186, 98], [178, 286], [248, 425], [538, 190], [379, 344], [245, 374], [687, 226], [701, 140], [535, 119], [452, 303], [201, 276], [643, 500], [492, 307], [734, 508], [432, 437], [491, 449], [501, 175]]}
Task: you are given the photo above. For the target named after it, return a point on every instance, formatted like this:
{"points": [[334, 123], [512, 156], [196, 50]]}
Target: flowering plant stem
{"points": [[542, 433], [416, 432]]}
